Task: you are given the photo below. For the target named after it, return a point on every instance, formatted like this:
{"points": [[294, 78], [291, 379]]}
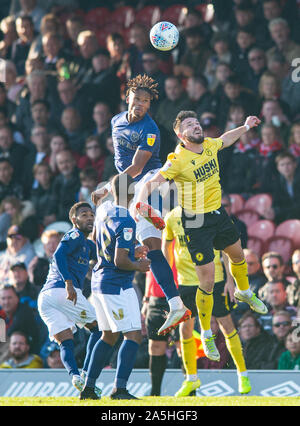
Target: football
{"points": [[164, 36]]}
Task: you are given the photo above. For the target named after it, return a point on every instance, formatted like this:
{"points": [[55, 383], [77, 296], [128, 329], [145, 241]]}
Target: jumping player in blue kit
{"points": [[61, 303], [115, 300], [136, 140]]}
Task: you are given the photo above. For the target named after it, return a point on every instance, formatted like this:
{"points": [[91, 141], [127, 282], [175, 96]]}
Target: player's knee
{"points": [[226, 324], [235, 252], [186, 329], [110, 338], [136, 336], [157, 347], [63, 335]]}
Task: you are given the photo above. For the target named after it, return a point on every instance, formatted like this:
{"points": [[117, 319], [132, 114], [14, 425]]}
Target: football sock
{"points": [[188, 354], [204, 302], [67, 357], [234, 347], [100, 355], [93, 339], [163, 274], [157, 367], [125, 363], [239, 271]]}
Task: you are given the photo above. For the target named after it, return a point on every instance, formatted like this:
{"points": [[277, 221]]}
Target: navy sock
{"points": [[100, 355], [93, 339], [125, 363], [163, 273], [68, 358]]}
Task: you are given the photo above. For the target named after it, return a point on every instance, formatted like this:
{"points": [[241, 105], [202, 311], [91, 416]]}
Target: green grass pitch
{"points": [[155, 401]]}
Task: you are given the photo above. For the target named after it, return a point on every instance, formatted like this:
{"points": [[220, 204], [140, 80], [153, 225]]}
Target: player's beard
{"points": [[195, 139]]}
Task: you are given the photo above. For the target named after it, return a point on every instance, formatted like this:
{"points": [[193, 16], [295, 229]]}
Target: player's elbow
{"points": [[134, 170]]}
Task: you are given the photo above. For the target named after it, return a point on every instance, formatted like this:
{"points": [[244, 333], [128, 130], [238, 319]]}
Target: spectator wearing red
{"points": [[294, 141]]}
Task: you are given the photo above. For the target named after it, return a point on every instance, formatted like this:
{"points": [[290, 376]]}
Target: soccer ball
{"points": [[164, 36]]}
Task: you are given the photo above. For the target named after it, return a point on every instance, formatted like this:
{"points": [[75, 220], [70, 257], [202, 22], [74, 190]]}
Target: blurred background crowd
{"points": [[64, 65]]}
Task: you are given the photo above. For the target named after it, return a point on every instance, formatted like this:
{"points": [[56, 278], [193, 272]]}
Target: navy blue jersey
{"points": [[128, 137], [115, 228], [71, 260]]}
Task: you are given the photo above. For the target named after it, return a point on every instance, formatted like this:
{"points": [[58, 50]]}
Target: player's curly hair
{"points": [[145, 83]]}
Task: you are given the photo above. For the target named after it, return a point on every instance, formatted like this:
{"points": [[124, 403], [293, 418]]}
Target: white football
{"points": [[164, 36]]}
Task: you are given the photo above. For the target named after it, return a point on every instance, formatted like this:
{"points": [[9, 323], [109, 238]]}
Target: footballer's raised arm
{"points": [[139, 161], [232, 136], [150, 186]]}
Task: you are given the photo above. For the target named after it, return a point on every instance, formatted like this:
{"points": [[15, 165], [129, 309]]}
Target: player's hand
{"points": [[98, 195], [71, 292], [252, 121], [229, 289], [141, 252], [143, 265], [144, 309]]}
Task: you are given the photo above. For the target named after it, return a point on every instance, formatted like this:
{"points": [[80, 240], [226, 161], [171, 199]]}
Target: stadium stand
{"points": [[225, 74]]}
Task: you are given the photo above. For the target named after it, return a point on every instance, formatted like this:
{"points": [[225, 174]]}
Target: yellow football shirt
{"points": [[196, 176], [183, 261]]}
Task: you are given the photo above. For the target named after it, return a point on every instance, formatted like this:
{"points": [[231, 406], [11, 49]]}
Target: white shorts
{"points": [[118, 312], [60, 314], [145, 229]]}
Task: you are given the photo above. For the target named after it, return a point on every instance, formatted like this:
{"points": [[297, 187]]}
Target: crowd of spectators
{"points": [[61, 82]]}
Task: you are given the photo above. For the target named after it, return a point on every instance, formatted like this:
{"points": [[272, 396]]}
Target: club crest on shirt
{"points": [[151, 139], [128, 234], [134, 137]]}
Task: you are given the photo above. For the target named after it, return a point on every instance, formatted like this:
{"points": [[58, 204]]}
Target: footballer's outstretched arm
{"points": [[150, 186], [139, 161], [232, 136]]}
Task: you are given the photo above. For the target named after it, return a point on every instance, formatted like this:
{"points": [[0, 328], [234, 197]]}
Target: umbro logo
{"points": [[118, 316], [193, 162]]}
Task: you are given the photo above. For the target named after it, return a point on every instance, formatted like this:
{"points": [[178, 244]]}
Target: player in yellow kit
{"points": [[194, 168], [188, 284]]}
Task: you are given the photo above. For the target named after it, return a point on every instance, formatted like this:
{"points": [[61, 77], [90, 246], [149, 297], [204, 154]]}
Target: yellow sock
{"points": [[205, 303], [235, 349], [188, 353], [239, 271]]}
